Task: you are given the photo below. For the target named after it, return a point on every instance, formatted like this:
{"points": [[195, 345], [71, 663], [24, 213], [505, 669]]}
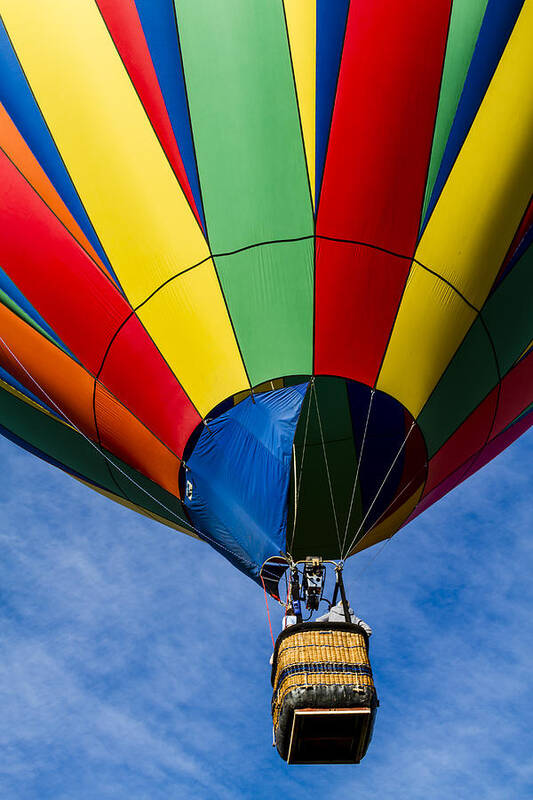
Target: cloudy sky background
{"points": [[134, 661]]}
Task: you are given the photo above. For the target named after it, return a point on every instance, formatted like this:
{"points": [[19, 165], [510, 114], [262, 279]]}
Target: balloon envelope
{"points": [[266, 268]]}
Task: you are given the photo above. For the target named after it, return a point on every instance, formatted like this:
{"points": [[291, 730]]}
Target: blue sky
{"points": [[134, 661]]}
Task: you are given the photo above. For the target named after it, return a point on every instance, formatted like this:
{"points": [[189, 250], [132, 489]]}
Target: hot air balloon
{"points": [[266, 268]]}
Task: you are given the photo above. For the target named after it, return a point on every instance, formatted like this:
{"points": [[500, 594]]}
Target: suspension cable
{"points": [[298, 482], [365, 567], [327, 469], [203, 536], [384, 481], [268, 613], [359, 461]]}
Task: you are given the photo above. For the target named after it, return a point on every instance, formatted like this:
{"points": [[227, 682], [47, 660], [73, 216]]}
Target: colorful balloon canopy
{"points": [[267, 267]]}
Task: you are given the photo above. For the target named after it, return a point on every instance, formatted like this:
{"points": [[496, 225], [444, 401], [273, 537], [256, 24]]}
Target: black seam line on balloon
{"points": [[27, 319], [112, 469], [452, 357], [472, 459], [521, 416], [527, 352], [127, 497], [509, 249], [240, 250], [319, 196], [382, 392], [73, 473], [96, 382], [67, 229], [148, 116], [179, 274], [89, 373], [314, 240], [437, 104], [100, 447], [8, 388], [516, 258], [315, 211], [245, 368], [297, 101], [498, 368], [499, 389], [307, 169], [121, 491], [393, 323], [496, 386], [441, 278], [185, 90], [329, 441], [304, 238], [405, 258], [102, 385], [466, 134], [467, 463], [183, 525], [413, 260], [102, 450], [115, 283], [397, 255], [236, 338], [133, 313]]}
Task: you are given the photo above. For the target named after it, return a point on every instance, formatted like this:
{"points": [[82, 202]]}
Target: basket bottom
{"points": [[328, 736], [326, 724]]}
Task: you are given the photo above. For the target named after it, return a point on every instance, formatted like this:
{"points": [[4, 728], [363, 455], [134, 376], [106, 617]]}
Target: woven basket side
{"points": [[317, 646], [320, 658]]}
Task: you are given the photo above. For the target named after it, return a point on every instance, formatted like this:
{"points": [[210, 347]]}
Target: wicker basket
{"points": [[322, 666]]}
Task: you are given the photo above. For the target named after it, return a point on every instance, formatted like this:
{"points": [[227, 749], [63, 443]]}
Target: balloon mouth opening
{"points": [[359, 469], [307, 465]]}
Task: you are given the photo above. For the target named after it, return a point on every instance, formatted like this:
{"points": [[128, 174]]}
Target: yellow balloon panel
{"points": [[301, 27], [188, 321], [106, 141], [482, 202], [430, 325]]}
